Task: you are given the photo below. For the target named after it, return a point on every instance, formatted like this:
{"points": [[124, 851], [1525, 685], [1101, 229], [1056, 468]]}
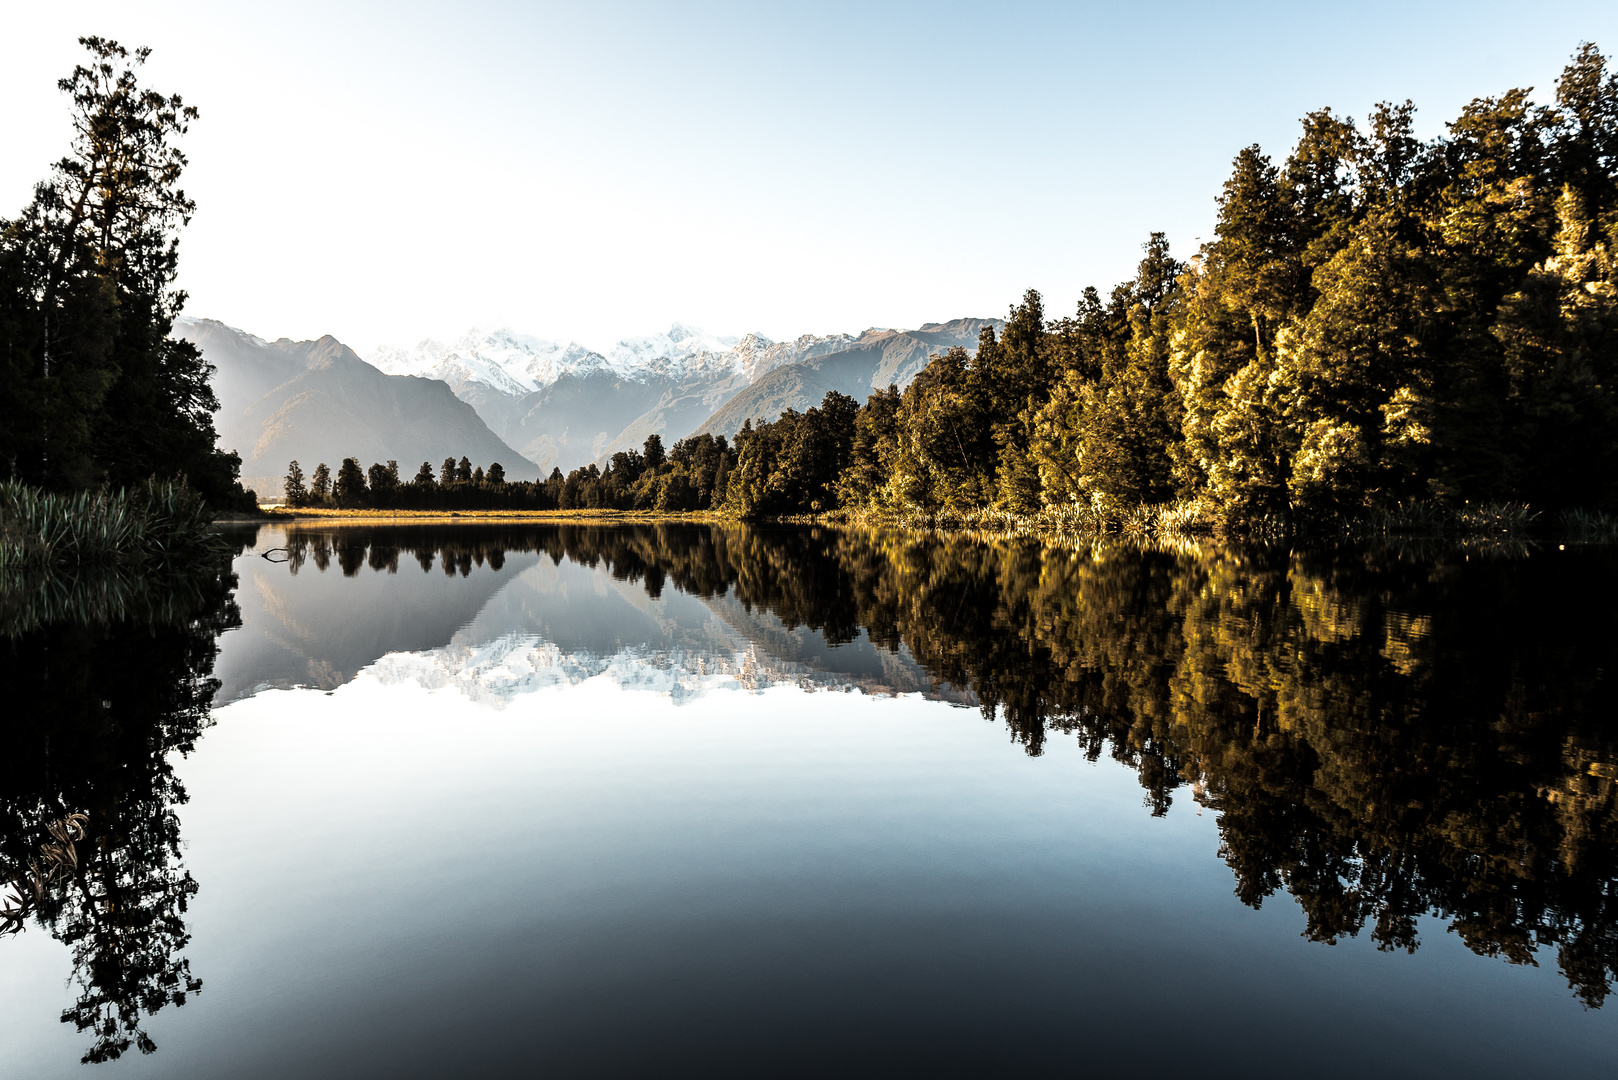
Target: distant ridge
{"points": [[532, 405], [318, 401], [870, 363], [567, 405]]}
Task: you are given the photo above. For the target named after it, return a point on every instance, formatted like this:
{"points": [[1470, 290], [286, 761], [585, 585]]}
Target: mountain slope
{"points": [[317, 401], [529, 401], [566, 405], [572, 421], [562, 405], [876, 359], [684, 406]]}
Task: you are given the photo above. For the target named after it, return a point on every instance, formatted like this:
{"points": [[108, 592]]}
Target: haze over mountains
{"points": [[317, 401], [566, 405], [861, 367], [530, 404]]}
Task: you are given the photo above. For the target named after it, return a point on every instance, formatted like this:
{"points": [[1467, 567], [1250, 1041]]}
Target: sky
{"points": [[389, 172]]}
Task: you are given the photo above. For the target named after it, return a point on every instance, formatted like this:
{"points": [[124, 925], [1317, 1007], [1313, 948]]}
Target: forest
{"points": [[1379, 321], [681, 480]]}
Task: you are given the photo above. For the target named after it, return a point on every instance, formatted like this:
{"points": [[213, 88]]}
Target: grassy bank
{"points": [[157, 520]]}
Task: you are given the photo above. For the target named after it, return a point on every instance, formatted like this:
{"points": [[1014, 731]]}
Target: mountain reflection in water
{"points": [[1384, 735]]}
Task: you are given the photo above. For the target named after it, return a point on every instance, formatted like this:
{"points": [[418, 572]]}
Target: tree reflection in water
{"points": [[107, 680], [1384, 734]]}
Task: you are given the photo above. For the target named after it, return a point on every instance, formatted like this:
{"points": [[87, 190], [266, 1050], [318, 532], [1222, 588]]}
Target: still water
{"points": [[495, 801]]}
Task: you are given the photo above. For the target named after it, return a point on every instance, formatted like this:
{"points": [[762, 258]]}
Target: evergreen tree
{"points": [[946, 449], [349, 490], [93, 389], [294, 490], [320, 484], [384, 482], [1585, 139], [873, 451], [653, 452], [1560, 337], [721, 483]]}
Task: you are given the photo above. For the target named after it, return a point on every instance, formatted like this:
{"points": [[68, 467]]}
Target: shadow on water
{"points": [[1384, 734]]}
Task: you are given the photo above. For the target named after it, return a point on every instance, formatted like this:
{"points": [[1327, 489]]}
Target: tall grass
{"points": [[1428, 518], [1588, 526], [158, 519]]}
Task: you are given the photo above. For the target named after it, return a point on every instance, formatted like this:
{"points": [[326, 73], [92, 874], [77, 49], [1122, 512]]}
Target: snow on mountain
{"points": [[678, 351], [757, 355], [539, 396], [501, 360], [516, 364]]}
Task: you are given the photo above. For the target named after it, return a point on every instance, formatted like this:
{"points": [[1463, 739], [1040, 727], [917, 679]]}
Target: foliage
{"points": [[694, 475], [158, 519], [92, 389], [1378, 323]]}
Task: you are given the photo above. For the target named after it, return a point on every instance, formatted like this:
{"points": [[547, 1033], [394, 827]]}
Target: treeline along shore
{"points": [[1383, 328], [693, 476]]}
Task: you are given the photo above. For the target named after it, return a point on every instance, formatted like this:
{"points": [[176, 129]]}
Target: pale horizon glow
{"points": [[391, 172]]}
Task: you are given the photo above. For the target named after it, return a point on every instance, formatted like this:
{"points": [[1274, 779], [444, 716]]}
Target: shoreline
{"points": [[457, 517], [1511, 523]]}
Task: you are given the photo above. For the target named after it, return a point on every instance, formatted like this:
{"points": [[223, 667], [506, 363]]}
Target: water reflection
{"points": [[1384, 734], [107, 681], [499, 611]]}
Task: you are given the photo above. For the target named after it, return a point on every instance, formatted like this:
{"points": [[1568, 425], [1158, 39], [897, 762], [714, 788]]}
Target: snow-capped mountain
{"points": [[502, 361], [678, 352], [568, 404], [514, 364], [553, 405]]}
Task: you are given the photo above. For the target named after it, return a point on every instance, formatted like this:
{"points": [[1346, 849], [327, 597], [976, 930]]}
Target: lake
{"points": [[494, 799]]}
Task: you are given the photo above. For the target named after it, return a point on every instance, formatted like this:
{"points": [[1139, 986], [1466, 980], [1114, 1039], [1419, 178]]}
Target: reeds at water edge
{"points": [[155, 520]]}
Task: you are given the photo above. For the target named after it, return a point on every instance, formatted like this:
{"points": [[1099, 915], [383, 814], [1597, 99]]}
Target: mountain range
{"points": [[528, 403], [317, 401]]}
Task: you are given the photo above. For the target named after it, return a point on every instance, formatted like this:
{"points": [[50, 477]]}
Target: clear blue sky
{"points": [[390, 171]]}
